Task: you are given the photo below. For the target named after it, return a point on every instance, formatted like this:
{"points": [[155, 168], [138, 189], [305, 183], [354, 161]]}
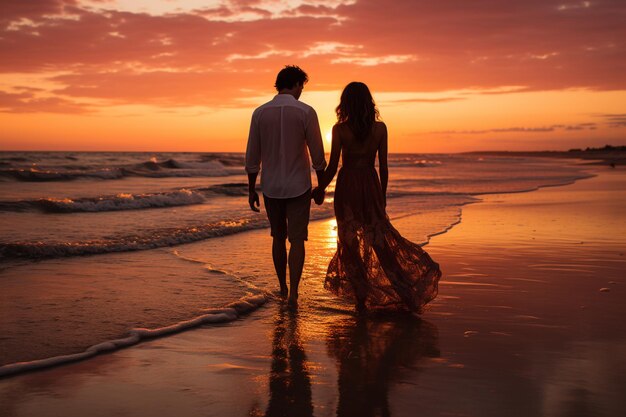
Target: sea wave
{"points": [[226, 159], [38, 174], [151, 169], [176, 236], [157, 238], [230, 312], [14, 159], [154, 239], [126, 201], [122, 201], [229, 189], [413, 161]]}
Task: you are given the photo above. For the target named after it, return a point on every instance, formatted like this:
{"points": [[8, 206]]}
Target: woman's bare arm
{"points": [[335, 152], [383, 169]]}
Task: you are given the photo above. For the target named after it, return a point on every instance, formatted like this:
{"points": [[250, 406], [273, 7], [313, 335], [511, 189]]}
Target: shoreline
{"points": [[230, 312], [598, 156]]}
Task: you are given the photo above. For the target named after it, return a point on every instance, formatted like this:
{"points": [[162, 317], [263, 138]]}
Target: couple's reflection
{"points": [[371, 354]]}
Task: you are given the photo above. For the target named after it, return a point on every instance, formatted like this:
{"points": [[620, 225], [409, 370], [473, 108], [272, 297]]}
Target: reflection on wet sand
{"points": [[26, 391], [371, 354], [289, 380]]}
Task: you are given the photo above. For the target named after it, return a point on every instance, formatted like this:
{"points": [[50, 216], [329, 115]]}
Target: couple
{"points": [[374, 266]]}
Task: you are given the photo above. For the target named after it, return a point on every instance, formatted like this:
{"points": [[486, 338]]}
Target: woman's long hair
{"points": [[357, 109]]}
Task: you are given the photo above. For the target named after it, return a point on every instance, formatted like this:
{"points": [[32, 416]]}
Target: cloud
{"points": [[11, 10], [371, 61], [27, 102], [614, 120], [199, 55], [499, 90], [541, 129], [331, 48], [159, 88], [424, 100], [246, 11], [573, 6]]}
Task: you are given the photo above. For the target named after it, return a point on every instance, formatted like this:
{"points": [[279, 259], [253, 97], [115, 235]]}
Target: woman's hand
{"points": [[318, 195]]}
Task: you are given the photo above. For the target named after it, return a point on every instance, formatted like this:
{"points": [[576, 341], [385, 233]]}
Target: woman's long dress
{"points": [[374, 266]]}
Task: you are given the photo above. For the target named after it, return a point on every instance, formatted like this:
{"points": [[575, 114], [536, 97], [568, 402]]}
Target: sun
{"points": [[329, 137]]}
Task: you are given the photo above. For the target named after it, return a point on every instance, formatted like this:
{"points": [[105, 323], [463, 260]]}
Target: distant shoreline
{"points": [[598, 156], [602, 156]]}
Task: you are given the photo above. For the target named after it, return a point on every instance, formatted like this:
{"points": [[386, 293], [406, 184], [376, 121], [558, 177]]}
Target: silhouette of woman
{"points": [[374, 266]]}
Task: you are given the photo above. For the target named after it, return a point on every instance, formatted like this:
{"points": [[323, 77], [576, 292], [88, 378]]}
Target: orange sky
{"points": [[448, 76]]}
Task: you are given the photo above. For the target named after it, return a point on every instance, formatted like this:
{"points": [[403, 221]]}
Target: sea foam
{"points": [[230, 312], [122, 201]]}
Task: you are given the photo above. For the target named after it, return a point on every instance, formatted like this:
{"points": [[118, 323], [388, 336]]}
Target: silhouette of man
{"points": [[281, 130]]}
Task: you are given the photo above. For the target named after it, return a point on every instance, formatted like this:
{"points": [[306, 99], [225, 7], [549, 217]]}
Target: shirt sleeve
{"points": [[253, 150], [314, 141]]}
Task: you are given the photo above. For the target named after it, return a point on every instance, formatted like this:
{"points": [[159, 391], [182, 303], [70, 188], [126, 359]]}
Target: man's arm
{"points": [[253, 196], [316, 149], [253, 163], [327, 176], [314, 143], [318, 193]]}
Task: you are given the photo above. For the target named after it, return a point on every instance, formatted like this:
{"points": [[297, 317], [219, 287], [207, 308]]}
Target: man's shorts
{"points": [[289, 217]]}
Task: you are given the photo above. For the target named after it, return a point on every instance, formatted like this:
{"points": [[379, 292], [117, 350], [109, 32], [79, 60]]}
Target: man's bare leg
{"points": [[279, 256], [296, 263]]}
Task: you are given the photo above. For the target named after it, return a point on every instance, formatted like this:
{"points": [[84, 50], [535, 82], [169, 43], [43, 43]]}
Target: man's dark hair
{"points": [[289, 77]]}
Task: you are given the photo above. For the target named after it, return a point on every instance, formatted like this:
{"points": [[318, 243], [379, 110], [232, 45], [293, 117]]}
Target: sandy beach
{"points": [[528, 322]]}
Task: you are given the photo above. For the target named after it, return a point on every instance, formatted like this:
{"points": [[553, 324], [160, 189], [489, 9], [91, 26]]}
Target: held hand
{"points": [[253, 200], [318, 195]]}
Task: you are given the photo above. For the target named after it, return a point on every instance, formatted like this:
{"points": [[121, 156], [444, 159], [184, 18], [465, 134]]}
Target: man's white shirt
{"points": [[281, 130]]}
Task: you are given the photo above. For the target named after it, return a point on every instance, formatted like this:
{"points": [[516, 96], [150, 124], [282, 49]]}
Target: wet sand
{"points": [[528, 322], [64, 306]]}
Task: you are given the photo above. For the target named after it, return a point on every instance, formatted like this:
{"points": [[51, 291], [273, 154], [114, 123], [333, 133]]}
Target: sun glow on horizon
{"points": [[140, 79]]}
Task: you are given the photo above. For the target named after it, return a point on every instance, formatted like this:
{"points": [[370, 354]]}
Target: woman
{"points": [[374, 266]]}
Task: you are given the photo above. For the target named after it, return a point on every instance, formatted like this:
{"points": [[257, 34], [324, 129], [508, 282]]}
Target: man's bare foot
{"points": [[293, 301], [284, 292]]}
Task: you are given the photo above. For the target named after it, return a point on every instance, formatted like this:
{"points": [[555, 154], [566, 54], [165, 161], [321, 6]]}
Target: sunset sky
{"points": [[447, 75]]}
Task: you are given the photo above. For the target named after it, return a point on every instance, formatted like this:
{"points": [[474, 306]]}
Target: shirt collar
{"points": [[287, 97]]}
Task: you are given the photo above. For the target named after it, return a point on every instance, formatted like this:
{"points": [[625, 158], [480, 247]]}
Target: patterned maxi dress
{"points": [[374, 266]]}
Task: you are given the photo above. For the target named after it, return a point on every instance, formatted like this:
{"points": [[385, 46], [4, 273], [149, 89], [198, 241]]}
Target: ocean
{"points": [[107, 248]]}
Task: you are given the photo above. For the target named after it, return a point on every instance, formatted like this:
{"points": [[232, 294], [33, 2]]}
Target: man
{"points": [[280, 133]]}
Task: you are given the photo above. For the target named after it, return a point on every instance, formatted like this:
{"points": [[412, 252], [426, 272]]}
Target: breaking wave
{"points": [[151, 169], [38, 174], [154, 239], [121, 201], [125, 201]]}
